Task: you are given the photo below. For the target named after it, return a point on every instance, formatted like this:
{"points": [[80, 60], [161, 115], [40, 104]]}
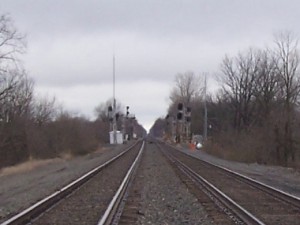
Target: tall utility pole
{"points": [[205, 112], [114, 103]]}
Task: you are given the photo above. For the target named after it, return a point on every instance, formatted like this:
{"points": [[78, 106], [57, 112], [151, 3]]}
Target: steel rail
{"points": [[108, 216], [240, 212], [276, 193], [41, 206], [279, 194]]}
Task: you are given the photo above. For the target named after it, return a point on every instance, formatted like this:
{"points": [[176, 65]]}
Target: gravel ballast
{"points": [[87, 204], [285, 179], [164, 198], [19, 190]]}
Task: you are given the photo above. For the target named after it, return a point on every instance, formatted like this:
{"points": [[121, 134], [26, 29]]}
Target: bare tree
{"points": [[238, 80], [287, 67], [12, 79], [101, 111], [15, 93], [258, 103], [187, 86], [44, 110], [12, 44], [17, 100], [267, 86], [11, 41]]}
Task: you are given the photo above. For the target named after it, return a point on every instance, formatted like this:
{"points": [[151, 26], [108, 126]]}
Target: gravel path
{"points": [[286, 179], [165, 199], [19, 190]]}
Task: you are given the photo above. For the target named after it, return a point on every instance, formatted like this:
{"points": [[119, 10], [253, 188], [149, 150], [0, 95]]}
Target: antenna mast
{"points": [[114, 103], [205, 111]]}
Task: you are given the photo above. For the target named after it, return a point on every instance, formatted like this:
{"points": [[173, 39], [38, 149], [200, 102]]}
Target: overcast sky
{"points": [[71, 45]]}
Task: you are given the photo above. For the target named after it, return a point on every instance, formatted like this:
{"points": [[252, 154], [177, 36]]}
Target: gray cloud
{"points": [[71, 43], [163, 18]]}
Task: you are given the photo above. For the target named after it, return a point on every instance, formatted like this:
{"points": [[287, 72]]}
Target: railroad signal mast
{"points": [[205, 111], [183, 123], [179, 124], [188, 112], [114, 122], [129, 126], [112, 110]]}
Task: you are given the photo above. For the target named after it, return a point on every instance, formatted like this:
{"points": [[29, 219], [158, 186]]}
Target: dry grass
{"points": [[25, 167], [32, 164], [255, 146], [66, 155], [230, 147], [101, 149]]}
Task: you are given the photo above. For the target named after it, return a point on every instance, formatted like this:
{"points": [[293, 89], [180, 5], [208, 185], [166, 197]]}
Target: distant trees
{"points": [[255, 115], [16, 91], [44, 110], [266, 86], [15, 87], [287, 54], [187, 87], [30, 126], [239, 80], [103, 119], [101, 111], [187, 90], [124, 123], [12, 43], [262, 88], [158, 128]]}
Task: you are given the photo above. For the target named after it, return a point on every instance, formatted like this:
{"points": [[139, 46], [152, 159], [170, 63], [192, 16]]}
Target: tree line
{"points": [[33, 126], [254, 117]]}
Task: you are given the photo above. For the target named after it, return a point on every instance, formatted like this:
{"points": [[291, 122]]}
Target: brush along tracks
{"points": [[242, 199], [85, 200]]}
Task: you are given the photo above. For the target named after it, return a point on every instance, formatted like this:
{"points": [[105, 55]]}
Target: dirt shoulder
{"points": [[27, 183]]}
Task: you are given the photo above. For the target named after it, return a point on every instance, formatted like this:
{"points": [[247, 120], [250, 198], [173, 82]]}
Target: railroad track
{"points": [[115, 208], [242, 199], [94, 198]]}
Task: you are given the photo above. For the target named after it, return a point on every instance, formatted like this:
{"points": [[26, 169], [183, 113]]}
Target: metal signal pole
{"points": [[205, 112], [114, 104]]}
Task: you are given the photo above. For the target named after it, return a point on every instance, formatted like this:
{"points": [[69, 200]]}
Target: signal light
{"points": [[179, 116], [180, 106]]}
